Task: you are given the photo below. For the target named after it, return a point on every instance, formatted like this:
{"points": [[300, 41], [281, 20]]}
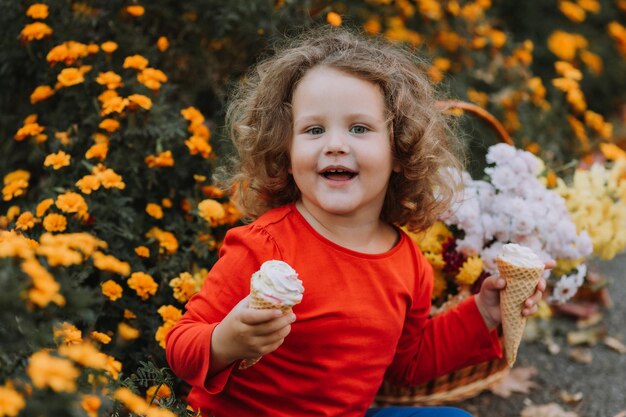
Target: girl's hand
{"points": [[247, 333], [488, 299]]}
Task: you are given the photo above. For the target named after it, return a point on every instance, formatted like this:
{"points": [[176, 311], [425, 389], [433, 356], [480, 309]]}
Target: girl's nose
{"points": [[336, 144]]}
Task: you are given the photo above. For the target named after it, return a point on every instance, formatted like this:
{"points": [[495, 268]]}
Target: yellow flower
{"points": [[11, 401], [152, 78], [163, 159], [470, 271], [70, 76], [110, 263], [107, 95], [115, 104], [29, 129], [103, 338], [170, 313], [135, 11], [163, 44], [108, 46], [333, 19], [435, 260], [143, 284], [109, 178], [40, 93], [54, 222], [158, 392], [68, 334], [25, 221], [99, 150], [111, 290], [57, 160], [137, 62], [184, 286], [43, 206], [138, 100], [127, 332], [67, 52], [572, 11], [161, 333], [37, 11], [563, 45], [154, 210], [35, 31], [193, 115], [91, 404], [88, 184], [142, 251], [110, 125], [109, 79], [46, 371], [432, 239], [14, 189], [44, 289], [167, 240], [197, 145], [71, 202], [440, 284], [211, 210]]}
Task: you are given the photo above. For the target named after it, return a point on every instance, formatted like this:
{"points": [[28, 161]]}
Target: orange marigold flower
{"points": [[47, 371], [184, 286], [54, 222], [592, 61], [93, 48], [163, 159], [108, 46], [103, 338], [85, 354], [110, 263], [163, 44], [11, 401], [63, 137], [88, 184], [142, 251], [110, 125], [57, 160], [197, 145], [432, 9], [71, 202], [161, 333], [41, 93], [35, 31], [567, 70], [43, 206], [110, 179], [137, 62], [158, 392], [372, 26], [99, 150], [127, 332], [45, 289], [67, 52], [135, 10], [37, 11], [166, 202], [212, 211], [152, 78], [70, 76], [333, 19], [212, 191], [18, 174], [579, 130], [91, 404], [612, 152], [143, 284], [113, 105], [170, 313], [29, 129], [112, 290], [572, 11], [192, 114], [167, 240], [563, 45], [576, 99], [128, 315], [139, 100], [107, 95], [154, 210], [68, 334], [14, 189], [133, 402], [110, 79], [25, 221]]}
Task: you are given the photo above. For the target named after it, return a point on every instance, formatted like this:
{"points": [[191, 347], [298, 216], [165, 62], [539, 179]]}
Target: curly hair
{"points": [[261, 127]]}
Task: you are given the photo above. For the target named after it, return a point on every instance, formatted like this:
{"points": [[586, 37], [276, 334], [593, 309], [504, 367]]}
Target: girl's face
{"points": [[341, 157]]}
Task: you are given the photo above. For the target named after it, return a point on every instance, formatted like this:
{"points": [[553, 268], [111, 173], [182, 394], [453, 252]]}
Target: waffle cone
{"points": [[258, 302], [521, 283]]}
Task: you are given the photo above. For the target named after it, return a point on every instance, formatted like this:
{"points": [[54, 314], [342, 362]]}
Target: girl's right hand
{"points": [[247, 333]]}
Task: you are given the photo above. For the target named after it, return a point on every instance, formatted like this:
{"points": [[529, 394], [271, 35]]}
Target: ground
{"points": [[602, 382]]}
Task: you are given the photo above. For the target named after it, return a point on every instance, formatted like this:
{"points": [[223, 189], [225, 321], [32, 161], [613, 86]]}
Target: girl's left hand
{"points": [[488, 299]]}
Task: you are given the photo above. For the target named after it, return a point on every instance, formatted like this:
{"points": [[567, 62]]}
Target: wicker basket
{"points": [[466, 382]]}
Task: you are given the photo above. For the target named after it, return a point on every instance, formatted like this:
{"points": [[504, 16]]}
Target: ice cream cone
{"points": [[521, 283]]}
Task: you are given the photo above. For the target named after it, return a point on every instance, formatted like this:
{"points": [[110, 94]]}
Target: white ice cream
{"points": [[279, 282], [520, 256]]}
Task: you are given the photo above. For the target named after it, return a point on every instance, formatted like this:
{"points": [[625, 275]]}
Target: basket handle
{"points": [[481, 113]]}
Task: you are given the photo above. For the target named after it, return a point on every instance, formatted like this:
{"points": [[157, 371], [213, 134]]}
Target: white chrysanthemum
{"points": [[502, 177], [500, 153]]}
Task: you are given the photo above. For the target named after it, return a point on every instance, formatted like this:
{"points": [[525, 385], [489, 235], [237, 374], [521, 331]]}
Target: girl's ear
{"points": [[396, 167]]}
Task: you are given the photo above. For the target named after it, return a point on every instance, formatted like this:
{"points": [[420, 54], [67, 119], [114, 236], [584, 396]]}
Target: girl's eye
{"points": [[359, 130], [315, 130]]}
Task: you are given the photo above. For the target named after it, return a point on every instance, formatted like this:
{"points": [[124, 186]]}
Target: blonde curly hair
{"points": [[261, 127]]}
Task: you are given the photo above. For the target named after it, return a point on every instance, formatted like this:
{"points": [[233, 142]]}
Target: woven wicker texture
{"points": [[259, 303], [520, 284]]}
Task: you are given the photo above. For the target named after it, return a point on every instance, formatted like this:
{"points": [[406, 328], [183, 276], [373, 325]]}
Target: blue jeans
{"points": [[417, 412]]}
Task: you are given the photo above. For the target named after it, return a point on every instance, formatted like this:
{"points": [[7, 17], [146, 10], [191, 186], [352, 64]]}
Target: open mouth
{"points": [[338, 174]]}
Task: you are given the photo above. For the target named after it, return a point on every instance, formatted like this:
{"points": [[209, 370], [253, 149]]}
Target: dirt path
{"points": [[601, 382]]}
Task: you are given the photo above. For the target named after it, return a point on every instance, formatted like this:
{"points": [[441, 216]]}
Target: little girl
{"points": [[339, 143]]}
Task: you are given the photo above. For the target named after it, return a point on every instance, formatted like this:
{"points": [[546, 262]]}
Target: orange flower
{"points": [[107, 95], [109, 79], [110, 263], [41, 93], [37, 11], [563, 45], [193, 115], [158, 392], [91, 404], [68, 334], [57, 160], [46, 371], [372, 26], [103, 338], [127, 332], [163, 44], [167, 240], [14, 189], [112, 290], [113, 105], [212, 211], [184, 286], [135, 11], [333, 19], [169, 313], [109, 178], [85, 354], [108, 46], [67, 52], [54, 222], [152, 78], [166, 202], [11, 401], [88, 184], [25, 221], [592, 61], [163, 159], [139, 100], [71, 202], [128, 315], [142, 251], [197, 145], [43, 206], [45, 289], [29, 129], [16, 175], [154, 210], [572, 11], [70, 76], [612, 152], [110, 125], [99, 150], [35, 31], [137, 62], [143, 284], [212, 191]]}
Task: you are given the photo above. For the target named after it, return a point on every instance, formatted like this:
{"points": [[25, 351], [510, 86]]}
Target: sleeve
{"points": [[188, 343], [431, 347]]}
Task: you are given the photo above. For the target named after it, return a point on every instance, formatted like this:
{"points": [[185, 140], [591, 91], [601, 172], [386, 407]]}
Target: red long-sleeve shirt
{"points": [[363, 317]]}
